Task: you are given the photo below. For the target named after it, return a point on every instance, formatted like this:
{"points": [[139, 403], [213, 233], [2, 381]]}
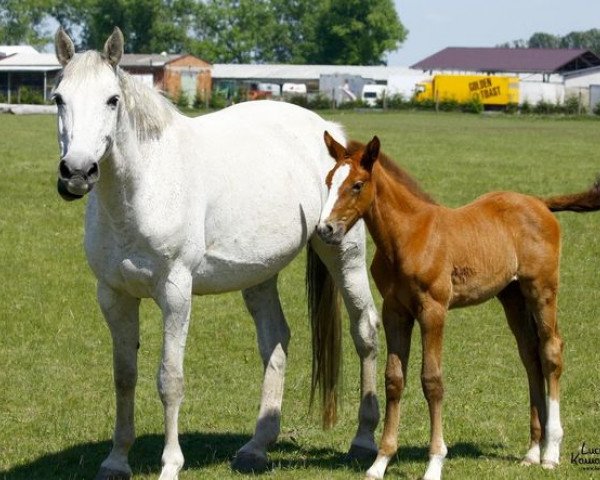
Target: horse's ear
{"points": [[371, 154], [336, 150], [63, 45], [113, 48]]}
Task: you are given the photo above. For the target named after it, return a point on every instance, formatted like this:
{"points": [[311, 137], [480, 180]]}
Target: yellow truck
{"points": [[488, 89]]}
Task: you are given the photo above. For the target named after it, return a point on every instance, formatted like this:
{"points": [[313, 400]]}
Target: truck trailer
{"points": [[496, 90]]}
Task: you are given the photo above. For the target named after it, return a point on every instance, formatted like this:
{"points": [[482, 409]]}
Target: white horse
{"points": [[182, 206]]}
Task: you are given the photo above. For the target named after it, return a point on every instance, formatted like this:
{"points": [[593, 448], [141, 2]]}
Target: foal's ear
{"points": [[336, 150], [371, 154], [113, 48], [63, 46]]}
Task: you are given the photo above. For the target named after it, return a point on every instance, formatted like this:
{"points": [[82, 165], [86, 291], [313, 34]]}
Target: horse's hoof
{"points": [[361, 454], [527, 461], [549, 465], [246, 462], [109, 474]]}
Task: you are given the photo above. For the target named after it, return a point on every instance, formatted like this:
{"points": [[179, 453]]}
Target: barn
{"points": [[550, 75], [173, 74]]}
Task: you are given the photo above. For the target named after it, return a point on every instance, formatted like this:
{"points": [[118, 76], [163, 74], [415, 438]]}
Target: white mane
{"points": [[147, 110]]}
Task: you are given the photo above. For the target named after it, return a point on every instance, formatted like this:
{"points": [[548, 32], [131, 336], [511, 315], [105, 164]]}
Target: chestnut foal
{"points": [[431, 258]]}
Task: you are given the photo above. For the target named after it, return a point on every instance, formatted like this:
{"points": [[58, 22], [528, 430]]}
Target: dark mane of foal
{"points": [[391, 167]]}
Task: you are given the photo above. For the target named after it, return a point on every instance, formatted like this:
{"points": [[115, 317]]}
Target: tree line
{"points": [[589, 40], [351, 32]]}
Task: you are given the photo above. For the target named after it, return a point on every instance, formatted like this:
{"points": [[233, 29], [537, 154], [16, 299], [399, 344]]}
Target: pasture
{"points": [[56, 392]]}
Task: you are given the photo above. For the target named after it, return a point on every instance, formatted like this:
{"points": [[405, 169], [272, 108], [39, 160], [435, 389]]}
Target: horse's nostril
{"points": [[93, 171], [328, 228], [64, 170]]}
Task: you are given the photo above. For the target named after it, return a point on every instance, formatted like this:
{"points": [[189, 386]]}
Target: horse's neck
{"points": [[123, 172], [391, 218]]}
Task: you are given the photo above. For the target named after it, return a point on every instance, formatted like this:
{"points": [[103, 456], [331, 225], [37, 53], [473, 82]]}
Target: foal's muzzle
{"points": [[75, 183], [331, 232]]}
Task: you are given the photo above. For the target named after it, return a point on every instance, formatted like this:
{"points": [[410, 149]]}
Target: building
{"points": [[174, 74], [35, 72], [549, 75]]}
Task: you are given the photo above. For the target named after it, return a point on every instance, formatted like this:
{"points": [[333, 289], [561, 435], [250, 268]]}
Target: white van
{"points": [[372, 93], [294, 89]]}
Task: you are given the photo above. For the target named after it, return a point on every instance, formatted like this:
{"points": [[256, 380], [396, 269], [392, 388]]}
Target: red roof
{"points": [[525, 60]]}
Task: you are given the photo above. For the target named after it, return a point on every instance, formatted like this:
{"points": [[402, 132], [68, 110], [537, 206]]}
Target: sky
{"points": [[436, 24]]}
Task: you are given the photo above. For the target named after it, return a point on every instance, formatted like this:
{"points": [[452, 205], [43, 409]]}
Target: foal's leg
{"points": [[541, 294], [174, 297], [431, 321], [347, 265], [122, 315], [524, 329], [273, 335], [398, 324]]}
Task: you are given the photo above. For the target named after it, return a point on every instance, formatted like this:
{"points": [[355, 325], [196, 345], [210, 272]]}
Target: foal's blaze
{"points": [[431, 258], [351, 191]]}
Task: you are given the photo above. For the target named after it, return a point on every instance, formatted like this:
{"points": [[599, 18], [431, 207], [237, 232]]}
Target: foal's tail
{"points": [[325, 320], [588, 201]]}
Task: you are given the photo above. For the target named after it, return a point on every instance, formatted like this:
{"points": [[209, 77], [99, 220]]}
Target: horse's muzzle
{"points": [[74, 184], [331, 232]]}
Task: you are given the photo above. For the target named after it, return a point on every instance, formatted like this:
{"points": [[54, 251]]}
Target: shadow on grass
{"points": [[206, 449]]}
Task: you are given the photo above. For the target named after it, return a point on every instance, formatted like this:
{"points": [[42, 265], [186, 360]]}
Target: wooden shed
{"points": [[173, 74]]}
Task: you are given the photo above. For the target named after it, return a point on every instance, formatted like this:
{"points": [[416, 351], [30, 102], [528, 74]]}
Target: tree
{"points": [[20, 22], [357, 32], [239, 31], [589, 40], [543, 40]]}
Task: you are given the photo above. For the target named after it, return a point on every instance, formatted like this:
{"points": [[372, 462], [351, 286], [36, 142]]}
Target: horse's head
{"points": [[350, 188], [88, 97]]}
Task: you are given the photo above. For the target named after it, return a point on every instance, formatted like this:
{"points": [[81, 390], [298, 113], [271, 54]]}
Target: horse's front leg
{"points": [[174, 299], [398, 323], [347, 265], [121, 312], [273, 335], [431, 321]]}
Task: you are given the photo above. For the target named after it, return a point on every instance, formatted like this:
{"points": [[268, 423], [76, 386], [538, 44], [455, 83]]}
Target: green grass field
{"points": [[56, 393]]}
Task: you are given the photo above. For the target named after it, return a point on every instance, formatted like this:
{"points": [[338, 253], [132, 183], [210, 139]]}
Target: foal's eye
{"points": [[58, 100], [357, 187], [113, 101]]}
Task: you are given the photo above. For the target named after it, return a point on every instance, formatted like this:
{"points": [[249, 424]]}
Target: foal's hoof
{"points": [[361, 454], [109, 474], [246, 462], [549, 465], [527, 462]]}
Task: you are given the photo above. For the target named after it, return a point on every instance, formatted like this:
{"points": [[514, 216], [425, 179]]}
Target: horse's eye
{"points": [[58, 100], [357, 187], [113, 101]]}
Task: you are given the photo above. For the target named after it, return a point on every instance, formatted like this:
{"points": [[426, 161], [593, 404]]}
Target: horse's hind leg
{"points": [[523, 326], [122, 316], [347, 265], [273, 335], [541, 296]]}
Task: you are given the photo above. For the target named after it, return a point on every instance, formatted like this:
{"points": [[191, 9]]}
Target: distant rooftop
{"points": [[6, 50], [278, 72], [31, 62], [147, 59], [517, 60]]}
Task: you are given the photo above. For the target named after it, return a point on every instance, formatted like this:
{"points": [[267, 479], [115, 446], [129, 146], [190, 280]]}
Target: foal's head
{"points": [[350, 188], [88, 96]]}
